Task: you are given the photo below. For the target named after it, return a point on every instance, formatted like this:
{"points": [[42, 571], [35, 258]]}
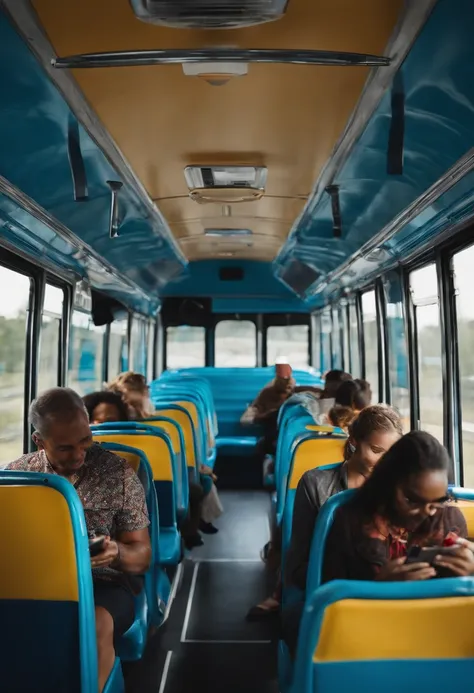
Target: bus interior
{"points": [[197, 190]]}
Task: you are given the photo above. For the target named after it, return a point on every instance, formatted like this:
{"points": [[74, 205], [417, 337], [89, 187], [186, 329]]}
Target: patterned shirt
{"points": [[111, 494]]}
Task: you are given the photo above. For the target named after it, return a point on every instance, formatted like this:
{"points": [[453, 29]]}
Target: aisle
{"points": [[207, 644]]}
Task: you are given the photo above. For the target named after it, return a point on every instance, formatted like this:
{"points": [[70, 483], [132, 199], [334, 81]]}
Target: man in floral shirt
{"points": [[114, 507]]}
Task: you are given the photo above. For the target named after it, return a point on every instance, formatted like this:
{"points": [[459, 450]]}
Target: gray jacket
{"points": [[314, 488]]}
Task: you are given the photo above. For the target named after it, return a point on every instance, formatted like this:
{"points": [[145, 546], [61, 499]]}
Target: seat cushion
{"points": [[170, 546]]}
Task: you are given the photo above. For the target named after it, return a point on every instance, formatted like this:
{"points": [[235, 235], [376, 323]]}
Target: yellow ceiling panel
{"points": [[285, 117]]}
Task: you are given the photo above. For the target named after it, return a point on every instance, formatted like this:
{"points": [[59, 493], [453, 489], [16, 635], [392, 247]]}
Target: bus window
{"points": [[118, 348], [369, 324], [86, 354], [354, 367], [344, 319], [139, 344], [14, 305], [326, 327], [289, 343], [50, 340], [336, 340], [397, 347], [236, 344], [424, 294], [151, 358], [462, 265], [316, 337], [185, 347]]}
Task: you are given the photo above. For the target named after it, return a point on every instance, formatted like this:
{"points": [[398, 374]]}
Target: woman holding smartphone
{"points": [[403, 504]]}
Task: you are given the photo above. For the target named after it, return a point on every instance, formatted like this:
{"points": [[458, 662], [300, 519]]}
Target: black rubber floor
{"points": [[206, 644]]}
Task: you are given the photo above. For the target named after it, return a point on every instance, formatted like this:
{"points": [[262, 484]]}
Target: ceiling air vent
{"points": [[225, 184], [299, 276], [208, 14]]}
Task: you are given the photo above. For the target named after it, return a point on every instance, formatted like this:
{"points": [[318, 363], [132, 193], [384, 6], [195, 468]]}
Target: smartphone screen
{"points": [[427, 554], [96, 545]]}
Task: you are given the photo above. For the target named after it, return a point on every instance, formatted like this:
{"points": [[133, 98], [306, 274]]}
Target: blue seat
{"points": [[192, 382], [310, 450], [157, 447], [313, 580], [48, 641], [157, 583], [171, 391], [231, 402], [368, 637]]}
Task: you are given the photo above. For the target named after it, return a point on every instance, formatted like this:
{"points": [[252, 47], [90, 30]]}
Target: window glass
{"points": [[236, 344], [424, 294], [288, 343], [397, 347], [185, 347], [463, 264], [50, 339], [118, 348], [354, 367], [344, 321], [336, 340], [326, 326], [316, 342], [369, 323], [151, 352], [139, 344], [86, 354], [14, 303]]}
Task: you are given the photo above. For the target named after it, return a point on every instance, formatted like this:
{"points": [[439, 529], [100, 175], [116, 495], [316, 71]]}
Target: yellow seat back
{"points": [[315, 452], [170, 428], [155, 449], [182, 420], [320, 428], [376, 629], [37, 545], [467, 509]]}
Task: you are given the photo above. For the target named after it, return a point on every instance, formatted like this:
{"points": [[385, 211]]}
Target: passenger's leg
{"points": [[211, 509], [291, 619], [114, 614], [190, 526], [269, 607], [104, 629]]}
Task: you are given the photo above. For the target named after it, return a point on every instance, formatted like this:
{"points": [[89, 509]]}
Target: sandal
{"points": [[262, 611]]}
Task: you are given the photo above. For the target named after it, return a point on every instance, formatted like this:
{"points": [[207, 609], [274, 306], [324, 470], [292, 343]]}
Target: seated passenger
{"points": [[102, 481], [370, 435], [133, 389], [264, 409], [204, 502], [352, 396], [404, 503], [105, 406]]}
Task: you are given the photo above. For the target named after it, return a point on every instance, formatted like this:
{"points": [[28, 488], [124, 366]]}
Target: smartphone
{"points": [[96, 545], [427, 554]]}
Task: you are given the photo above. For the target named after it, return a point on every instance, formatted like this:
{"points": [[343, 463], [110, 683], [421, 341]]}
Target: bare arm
{"points": [[129, 553]]}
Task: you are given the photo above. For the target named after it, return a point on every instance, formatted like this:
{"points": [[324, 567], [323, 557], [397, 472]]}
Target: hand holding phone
{"points": [[96, 544]]}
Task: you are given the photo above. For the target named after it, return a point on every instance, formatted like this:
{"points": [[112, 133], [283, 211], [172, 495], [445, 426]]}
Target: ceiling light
{"points": [[227, 233], [208, 14], [215, 74], [226, 177]]}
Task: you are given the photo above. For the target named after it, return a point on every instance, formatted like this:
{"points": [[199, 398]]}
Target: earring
{"points": [[352, 448]]}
